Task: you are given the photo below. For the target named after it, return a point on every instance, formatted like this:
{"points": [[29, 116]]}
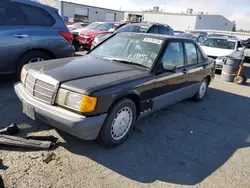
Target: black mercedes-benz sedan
{"points": [[102, 94]]}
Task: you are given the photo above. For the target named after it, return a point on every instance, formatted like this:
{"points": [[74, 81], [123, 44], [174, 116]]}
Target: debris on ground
{"points": [[22, 142], [2, 166], [43, 138], [10, 130], [50, 157]]}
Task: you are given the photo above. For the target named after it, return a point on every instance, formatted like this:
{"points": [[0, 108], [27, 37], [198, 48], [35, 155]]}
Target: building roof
{"points": [[68, 1]]}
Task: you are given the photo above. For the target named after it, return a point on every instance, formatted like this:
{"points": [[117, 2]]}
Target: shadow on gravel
{"points": [[182, 144]]}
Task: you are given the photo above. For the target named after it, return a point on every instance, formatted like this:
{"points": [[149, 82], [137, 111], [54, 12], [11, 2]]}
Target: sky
{"points": [[234, 10]]}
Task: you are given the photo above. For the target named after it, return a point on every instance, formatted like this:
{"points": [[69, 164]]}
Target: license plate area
{"points": [[29, 111]]}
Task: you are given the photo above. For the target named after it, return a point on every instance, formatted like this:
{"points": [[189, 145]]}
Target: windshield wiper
{"points": [[125, 62]]}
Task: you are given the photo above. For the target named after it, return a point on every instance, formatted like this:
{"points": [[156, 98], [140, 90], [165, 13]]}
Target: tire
{"points": [[26, 58], [240, 80], [199, 96], [113, 123]]}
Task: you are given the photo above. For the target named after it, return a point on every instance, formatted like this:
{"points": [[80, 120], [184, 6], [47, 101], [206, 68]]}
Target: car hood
{"points": [[96, 71], [92, 32], [102, 37], [216, 52]]}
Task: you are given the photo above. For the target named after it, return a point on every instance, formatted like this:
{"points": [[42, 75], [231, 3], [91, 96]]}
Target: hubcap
{"points": [[203, 89], [36, 59], [121, 123]]}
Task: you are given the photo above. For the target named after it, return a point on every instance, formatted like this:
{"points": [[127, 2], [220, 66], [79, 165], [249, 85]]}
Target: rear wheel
{"points": [[119, 123], [240, 80], [31, 57], [202, 91]]}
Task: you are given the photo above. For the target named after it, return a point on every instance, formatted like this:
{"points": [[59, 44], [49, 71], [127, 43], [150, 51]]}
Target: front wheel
{"points": [[119, 123], [202, 91], [240, 80]]}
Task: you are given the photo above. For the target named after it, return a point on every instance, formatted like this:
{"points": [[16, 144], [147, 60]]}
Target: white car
{"points": [[220, 47]]}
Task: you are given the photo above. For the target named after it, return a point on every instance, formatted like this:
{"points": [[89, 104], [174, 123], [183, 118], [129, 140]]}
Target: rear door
{"points": [[14, 34], [170, 85], [195, 63]]}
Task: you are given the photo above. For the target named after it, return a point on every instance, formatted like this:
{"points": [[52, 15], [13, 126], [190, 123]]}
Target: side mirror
{"points": [[169, 67], [201, 44]]}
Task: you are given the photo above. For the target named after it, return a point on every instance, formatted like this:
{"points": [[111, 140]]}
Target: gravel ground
{"points": [[186, 145]]}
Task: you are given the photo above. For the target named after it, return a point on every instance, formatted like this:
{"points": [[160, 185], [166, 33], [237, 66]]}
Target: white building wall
{"points": [[53, 3], [176, 21], [213, 22], [93, 13]]}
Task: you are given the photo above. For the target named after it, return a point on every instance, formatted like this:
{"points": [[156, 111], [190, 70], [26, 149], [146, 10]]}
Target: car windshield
{"points": [[93, 25], [133, 28], [107, 27], [220, 43], [129, 48]]}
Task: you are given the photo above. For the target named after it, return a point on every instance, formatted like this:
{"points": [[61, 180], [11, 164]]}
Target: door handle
{"points": [[21, 36], [185, 70]]}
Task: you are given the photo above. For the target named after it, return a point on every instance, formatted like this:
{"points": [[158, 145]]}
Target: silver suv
{"points": [[31, 32]]}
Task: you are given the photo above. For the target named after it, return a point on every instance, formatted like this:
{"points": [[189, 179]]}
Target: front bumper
{"points": [[83, 127], [219, 64]]}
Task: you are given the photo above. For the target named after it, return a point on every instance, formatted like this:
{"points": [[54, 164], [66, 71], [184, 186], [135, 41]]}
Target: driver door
{"points": [[169, 86]]}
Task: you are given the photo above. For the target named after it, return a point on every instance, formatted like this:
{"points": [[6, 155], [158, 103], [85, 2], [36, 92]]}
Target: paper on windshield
{"points": [[154, 41]]}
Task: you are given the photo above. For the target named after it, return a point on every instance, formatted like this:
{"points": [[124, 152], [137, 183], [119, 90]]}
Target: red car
{"points": [[86, 37]]}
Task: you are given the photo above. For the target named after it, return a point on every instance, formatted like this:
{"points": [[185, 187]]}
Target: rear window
{"points": [[134, 28], [37, 16], [164, 30]]}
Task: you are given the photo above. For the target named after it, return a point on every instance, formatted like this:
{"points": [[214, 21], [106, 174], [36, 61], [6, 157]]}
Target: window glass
{"points": [[174, 54], [191, 53], [11, 14], [132, 48], [200, 39], [164, 30], [106, 27], [133, 28], [37, 16], [93, 25], [154, 30], [200, 56], [220, 43]]}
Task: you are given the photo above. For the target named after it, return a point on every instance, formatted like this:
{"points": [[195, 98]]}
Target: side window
{"points": [[200, 56], [37, 16], [164, 30], [191, 53], [11, 14], [174, 54], [154, 30]]}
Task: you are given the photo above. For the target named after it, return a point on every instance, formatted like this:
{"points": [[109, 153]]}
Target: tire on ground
{"points": [[105, 136], [27, 57]]}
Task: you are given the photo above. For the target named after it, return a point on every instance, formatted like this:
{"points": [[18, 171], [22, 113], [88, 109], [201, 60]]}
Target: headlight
{"points": [[86, 36], [81, 103], [23, 74], [96, 40]]}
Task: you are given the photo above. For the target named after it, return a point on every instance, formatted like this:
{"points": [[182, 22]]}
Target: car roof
{"points": [[34, 3], [225, 38], [156, 36]]}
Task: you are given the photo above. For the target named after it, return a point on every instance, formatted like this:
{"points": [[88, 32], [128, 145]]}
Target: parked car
{"points": [[219, 47], [31, 32], [143, 27], [77, 25], [76, 33], [102, 94], [86, 37], [224, 36], [178, 32], [196, 37]]}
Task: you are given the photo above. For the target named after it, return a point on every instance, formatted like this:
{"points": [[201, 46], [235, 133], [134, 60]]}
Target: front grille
{"points": [[39, 89]]}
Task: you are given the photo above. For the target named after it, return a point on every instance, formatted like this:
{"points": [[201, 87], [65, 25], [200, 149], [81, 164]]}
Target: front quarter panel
{"points": [[142, 87]]}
